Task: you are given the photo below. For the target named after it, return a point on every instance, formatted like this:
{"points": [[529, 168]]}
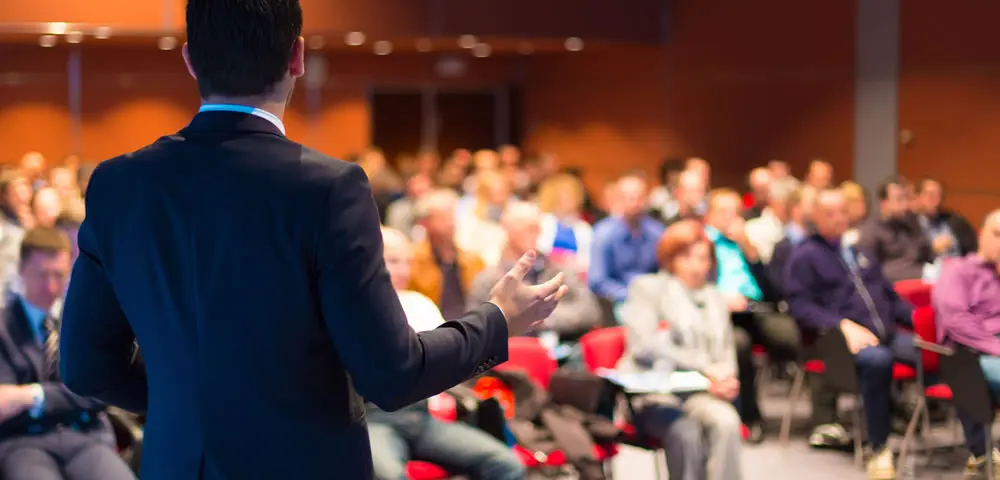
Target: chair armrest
{"points": [[932, 347]]}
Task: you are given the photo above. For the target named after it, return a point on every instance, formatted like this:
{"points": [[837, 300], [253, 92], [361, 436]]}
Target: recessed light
{"points": [[574, 44], [167, 43], [74, 37], [354, 38], [47, 41], [316, 42], [467, 41], [382, 47], [424, 45], [56, 28], [102, 33], [482, 50]]}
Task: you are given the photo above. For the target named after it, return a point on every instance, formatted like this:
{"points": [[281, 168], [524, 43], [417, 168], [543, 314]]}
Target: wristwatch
{"points": [[37, 401]]}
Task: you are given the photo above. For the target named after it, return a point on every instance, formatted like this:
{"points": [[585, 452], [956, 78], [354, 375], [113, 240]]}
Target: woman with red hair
{"points": [[677, 320]]}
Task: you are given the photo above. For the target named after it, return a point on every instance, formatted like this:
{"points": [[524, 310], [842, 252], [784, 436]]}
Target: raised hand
{"points": [[525, 306]]}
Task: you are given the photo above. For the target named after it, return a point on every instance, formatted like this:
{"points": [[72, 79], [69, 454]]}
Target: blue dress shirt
{"points": [[734, 272], [36, 320], [620, 253]]}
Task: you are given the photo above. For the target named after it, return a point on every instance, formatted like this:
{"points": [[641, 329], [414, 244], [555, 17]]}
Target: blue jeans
{"points": [[975, 433], [875, 366], [399, 437]]}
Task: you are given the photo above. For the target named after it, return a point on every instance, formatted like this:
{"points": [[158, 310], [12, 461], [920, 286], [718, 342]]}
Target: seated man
{"points": [[578, 311], [835, 286], [752, 300], [894, 237], [624, 245], [411, 433], [966, 299], [46, 432]]}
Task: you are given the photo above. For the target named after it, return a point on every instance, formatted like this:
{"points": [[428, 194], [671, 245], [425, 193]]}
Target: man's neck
{"points": [[270, 105], [41, 306]]}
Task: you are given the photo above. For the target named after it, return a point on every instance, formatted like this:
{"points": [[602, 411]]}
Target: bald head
{"points": [[760, 182], [820, 174], [989, 238], [691, 188], [522, 222], [397, 255], [830, 213]]}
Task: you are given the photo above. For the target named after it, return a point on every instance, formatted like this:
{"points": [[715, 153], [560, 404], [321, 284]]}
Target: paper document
{"points": [[656, 382]]}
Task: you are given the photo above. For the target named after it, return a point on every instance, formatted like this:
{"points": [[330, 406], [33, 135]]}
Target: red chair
{"points": [[602, 348], [417, 470], [914, 291]]}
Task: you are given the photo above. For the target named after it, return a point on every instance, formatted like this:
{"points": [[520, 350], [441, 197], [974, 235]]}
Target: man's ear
{"points": [[297, 65], [187, 61]]}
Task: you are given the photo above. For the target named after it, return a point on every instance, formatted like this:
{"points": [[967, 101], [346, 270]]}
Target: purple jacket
{"points": [[822, 290]]}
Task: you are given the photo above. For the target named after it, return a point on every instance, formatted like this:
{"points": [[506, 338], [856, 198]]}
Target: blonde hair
{"points": [[550, 189], [485, 181], [852, 191]]}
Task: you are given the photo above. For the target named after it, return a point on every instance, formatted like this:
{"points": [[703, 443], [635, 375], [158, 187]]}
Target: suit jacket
{"points": [[249, 269], [22, 362], [426, 277]]}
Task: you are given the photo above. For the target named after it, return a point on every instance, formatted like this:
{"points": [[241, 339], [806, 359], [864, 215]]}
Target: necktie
{"points": [[51, 346]]}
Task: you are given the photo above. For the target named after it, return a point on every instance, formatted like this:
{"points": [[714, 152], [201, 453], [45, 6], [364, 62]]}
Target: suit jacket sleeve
{"points": [[388, 363], [96, 342]]}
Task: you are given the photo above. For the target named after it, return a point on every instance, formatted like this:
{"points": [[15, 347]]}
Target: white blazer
{"points": [[581, 229]]}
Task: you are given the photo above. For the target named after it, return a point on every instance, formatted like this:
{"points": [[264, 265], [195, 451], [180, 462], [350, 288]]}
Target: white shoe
{"points": [[976, 466], [882, 465]]}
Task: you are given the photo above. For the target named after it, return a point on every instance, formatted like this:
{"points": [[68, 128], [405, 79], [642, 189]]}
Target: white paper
{"points": [[657, 381]]}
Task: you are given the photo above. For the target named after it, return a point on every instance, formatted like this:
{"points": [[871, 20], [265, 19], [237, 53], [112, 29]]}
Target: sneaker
{"points": [[753, 433], [881, 466], [976, 466], [830, 435]]}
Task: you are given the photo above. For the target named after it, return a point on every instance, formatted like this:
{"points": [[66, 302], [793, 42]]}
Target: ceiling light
{"points": [[74, 37], [482, 50], [102, 33], [424, 45], [574, 44], [56, 28], [47, 41], [525, 48], [354, 38], [382, 47], [316, 42], [167, 43], [468, 41]]}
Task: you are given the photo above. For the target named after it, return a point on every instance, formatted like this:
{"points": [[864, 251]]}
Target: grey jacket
{"points": [[691, 338], [899, 245], [577, 313]]}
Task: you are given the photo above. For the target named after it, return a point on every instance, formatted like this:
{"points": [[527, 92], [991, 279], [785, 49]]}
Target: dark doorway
{"points": [[397, 119], [467, 120]]}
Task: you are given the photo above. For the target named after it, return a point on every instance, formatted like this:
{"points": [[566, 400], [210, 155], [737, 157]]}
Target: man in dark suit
{"points": [[249, 271], [46, 432]]}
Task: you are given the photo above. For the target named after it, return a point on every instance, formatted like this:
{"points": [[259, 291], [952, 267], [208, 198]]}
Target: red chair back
{"points": [[925, 328], [528, 354], [603, 348], [914, 291]]}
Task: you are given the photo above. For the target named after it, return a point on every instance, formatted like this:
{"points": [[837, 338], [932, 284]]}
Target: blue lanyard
{"points": [[270, 117]]}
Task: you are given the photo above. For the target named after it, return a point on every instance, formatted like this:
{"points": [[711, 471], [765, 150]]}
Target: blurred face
{"points": [[897, 201], [64, 182], [760, 182], [33, 163], [989, 239], [724, 212], [44, 277], [690, 189], [486, 160], [397, 259], [565, 202], [929, 199], [461, 157], [856, 211], [522, 229], [498, 191], [632, 197], [418, 185], [820, 175], [830, 214], [18, 193], [692, 266], [701, 167], [778, 170], [510, 156], [441, 224], [47, 207]]}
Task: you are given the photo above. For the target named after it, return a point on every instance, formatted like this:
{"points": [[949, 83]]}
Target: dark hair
{"points": [[883, 188], [241, 48], [922, 184], [45, 240], [670, 165]]}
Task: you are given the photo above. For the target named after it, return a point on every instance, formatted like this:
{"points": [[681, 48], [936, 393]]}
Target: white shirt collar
{"points": [[220, 107]]}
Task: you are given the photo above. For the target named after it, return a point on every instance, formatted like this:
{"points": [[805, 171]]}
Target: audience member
{"points": [[64, 181], [677, 320], [578, 311], [753, 302], [510, 166], [539, 168], [565, 237], [702, 167], [857, 210], [796, 228], [48, 432], [427, 163], [779, 170], [966, 300], [46, 206], [760, 182], [950, 234], [831, 285], [83, 174], [894, 238], [478, 227], [689, 198], [820, 174], [15, 207], [442, 271], [662, 198], [768, 227], [624, 244], [33, 168], [401, 214], [412, 433]]}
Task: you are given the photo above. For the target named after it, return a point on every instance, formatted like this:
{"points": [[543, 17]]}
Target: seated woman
{"points": [[676, 320]]}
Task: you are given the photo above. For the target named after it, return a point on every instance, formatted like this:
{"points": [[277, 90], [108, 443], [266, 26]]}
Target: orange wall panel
{"points": [[132, 14]]}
